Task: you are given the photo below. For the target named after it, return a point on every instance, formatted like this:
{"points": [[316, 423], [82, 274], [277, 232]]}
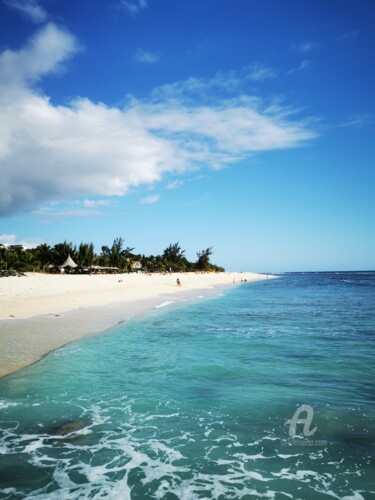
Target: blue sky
{"points": [[243, 125]]}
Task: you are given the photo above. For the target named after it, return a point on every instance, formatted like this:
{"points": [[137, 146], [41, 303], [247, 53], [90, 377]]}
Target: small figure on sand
{"points": [[178, 282]]}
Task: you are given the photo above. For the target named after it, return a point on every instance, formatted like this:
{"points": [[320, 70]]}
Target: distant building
{"points": [[12, 248]]}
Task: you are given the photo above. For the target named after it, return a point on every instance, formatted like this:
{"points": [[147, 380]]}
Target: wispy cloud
{"points": [[62, 212], [305, 64], [258, 72], [305, 46], [178, 183], [358, 120], [78, 208], [150, 200], [175, 184], [348, 35], [146, 57], [29, 8], [133, 7], [97, 203], [52, 153], [222, 84]]}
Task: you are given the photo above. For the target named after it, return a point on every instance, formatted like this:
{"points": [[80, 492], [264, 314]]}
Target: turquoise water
{"points": [[191, 401]]}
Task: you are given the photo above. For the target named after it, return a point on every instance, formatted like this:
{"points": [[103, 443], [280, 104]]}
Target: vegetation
{"points": [[118, 256], [203, 262]]}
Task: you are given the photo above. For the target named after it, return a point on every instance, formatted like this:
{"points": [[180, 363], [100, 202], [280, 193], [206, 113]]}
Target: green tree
{"points": [[44, 254], [173, 257], [116, 251], [173, 253], [119, 255], [15, 258], [61, 251], [203, 262], [85, 255], [26, 261], [5, 258], [105, 256], [116, 255]]}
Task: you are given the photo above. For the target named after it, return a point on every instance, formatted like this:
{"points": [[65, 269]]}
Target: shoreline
{"points": [[41, 313]]}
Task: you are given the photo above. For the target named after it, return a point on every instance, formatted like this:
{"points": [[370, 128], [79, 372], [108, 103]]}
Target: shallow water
{"points": [[192, 401]]}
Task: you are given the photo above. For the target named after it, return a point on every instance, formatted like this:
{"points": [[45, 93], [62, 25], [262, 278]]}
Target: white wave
{"points": [[281, 455], [245, 456], [164, 304], [6, 404], [152, 417], [356, 496], [34, 445]]}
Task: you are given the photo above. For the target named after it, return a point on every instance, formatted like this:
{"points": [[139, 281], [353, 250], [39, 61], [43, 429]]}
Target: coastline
{"points": [[40, 313]]}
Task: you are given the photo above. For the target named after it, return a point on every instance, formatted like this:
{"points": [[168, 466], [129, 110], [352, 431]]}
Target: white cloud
{"points": [[225, 84], [348, 35], [30, 8], [175, 184], [305, 46], [85, 208], [258, 72], [301, 67], [44, 54], [48, 213], [97, 203], [149, 200], [133, 7], [8, 239], [51, 153], [358, 120], [146, 57], [11, 239]]}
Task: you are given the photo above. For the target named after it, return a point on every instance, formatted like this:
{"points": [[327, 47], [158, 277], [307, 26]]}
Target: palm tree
{"points": [[118, 254], [4, 257], [44, 254], [104, 258], [27, 261], [116, 250], [85, 256]]}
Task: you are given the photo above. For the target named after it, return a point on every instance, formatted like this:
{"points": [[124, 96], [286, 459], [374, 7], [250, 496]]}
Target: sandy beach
{"points": [[40, 312]]}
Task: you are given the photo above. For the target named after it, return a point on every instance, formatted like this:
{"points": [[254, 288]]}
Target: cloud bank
{"points": [[51, 153]]}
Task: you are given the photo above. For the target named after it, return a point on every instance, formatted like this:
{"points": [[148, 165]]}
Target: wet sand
{"points": [[40, 313]]}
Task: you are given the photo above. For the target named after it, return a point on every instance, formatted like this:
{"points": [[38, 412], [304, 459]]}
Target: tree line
{"points": [[44, 257]]}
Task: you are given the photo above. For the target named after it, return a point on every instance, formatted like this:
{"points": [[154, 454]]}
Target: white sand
{"points": [[39, 313]]}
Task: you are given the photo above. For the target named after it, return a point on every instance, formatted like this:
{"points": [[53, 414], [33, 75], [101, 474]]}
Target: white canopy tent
{"points": [[68, 263]]}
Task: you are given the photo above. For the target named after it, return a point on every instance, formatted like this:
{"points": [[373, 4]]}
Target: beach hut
{"points": [[68, 263]]}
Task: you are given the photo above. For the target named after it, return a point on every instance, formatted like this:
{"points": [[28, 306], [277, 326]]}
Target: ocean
{"points": [[265, 390]]}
